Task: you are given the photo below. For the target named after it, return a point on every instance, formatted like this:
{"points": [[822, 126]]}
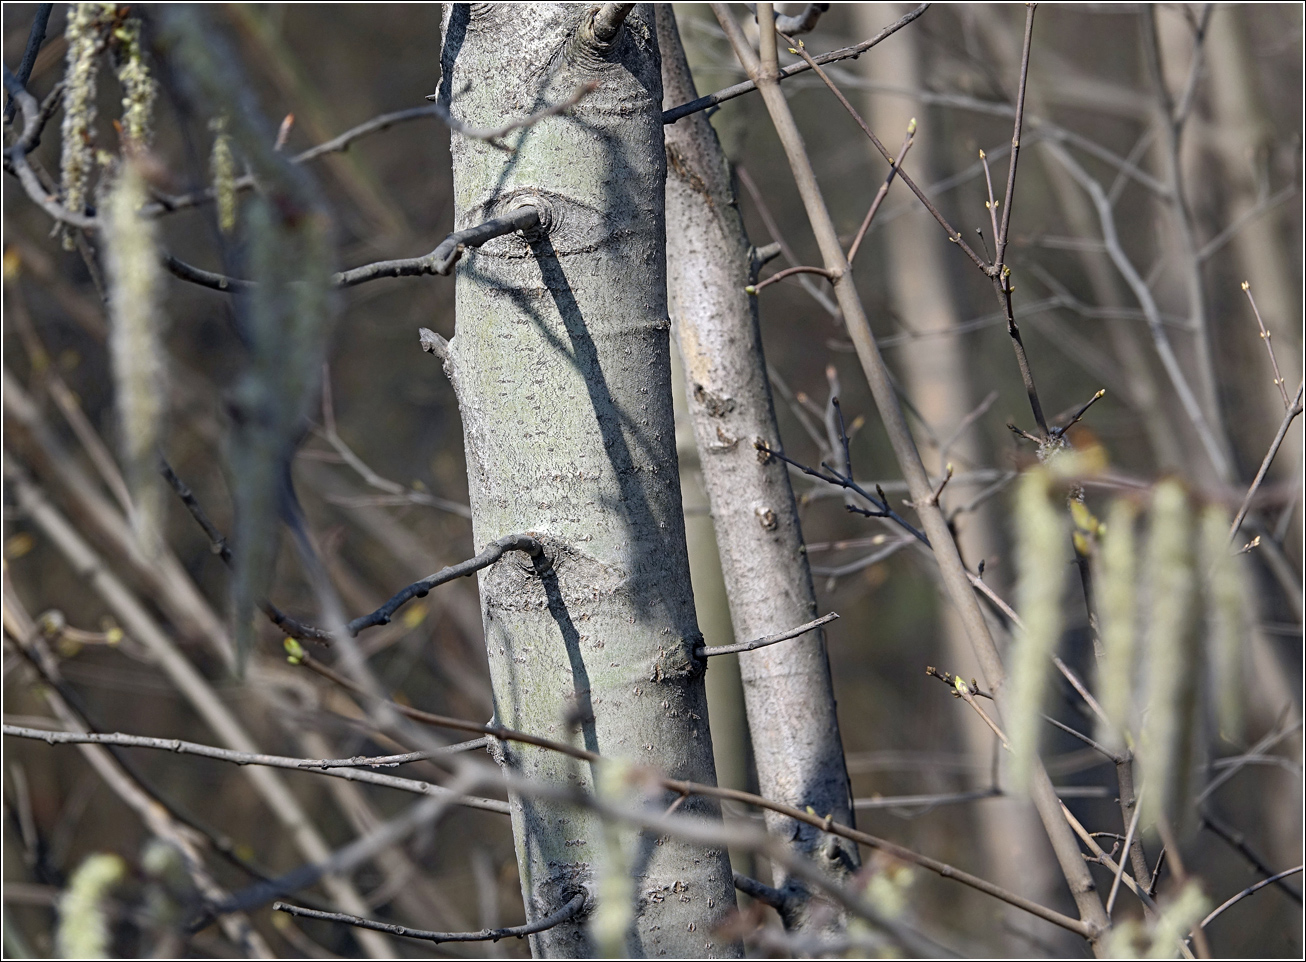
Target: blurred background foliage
{"points": [[390, 196]]}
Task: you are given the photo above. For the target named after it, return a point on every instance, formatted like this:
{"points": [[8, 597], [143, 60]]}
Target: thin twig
{"points": [[1282, 433], [564, 914], [1248, 891], [1142, 292], [704, 651], [787, 272], [349, 769], [999, 259], [739, 89], [166, 204], [381, 616], [883, 191], [954, 235], [1120, 869], [1265, 336], [1236, 839]]}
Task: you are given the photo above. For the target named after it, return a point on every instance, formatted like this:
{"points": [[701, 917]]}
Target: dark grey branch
{"points": [[762, 892], [492, 553], [34, 40], [442, 259], [738, 90], [16, 158], [564, 914], [439, 261]]}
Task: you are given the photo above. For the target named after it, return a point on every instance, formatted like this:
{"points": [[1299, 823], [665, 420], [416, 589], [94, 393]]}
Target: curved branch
{"points": [[788, 272], [564, 914], [439, 261], [703, 651], [16, 156]]}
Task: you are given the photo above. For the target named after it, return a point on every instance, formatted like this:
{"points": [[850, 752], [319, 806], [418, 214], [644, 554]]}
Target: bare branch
{"points": [[704, 651], [346, 768], [1251, 889], [1282, 433], [738, 90], [1265, 336], [564, 914], [439, 261]]}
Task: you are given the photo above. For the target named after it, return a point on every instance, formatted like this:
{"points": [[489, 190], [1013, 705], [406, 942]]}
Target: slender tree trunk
{"points": [[787, 688], [561, 365]]}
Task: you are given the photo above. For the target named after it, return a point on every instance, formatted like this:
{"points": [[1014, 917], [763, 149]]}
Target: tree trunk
{"points": [[787, 688], [561, 366]]}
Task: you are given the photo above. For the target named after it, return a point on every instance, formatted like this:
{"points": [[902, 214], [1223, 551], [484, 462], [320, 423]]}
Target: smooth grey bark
{"points": [[561, 367], [787, 688]]}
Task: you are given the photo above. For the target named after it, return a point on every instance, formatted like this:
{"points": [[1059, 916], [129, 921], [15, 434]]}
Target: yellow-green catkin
{"points": [[1228, 621], [77, 161], [615, 884], [222, 164], [1117, 605], [83, 931], [136, 343], [1041, 577], [1173, 667], [138, 88], [1162, 937]]}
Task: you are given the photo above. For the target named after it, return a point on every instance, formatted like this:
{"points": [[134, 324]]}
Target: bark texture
{"points": [[561, 365], [787, 688]]}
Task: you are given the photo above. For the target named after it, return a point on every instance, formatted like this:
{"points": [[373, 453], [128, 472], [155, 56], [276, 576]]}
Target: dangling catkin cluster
{"points": [[223, 166], [1173, 658], [138, 88], [83, 922], [1117, 594], [135, 340], [1041, 577], [77, 163], [1227, 620]]}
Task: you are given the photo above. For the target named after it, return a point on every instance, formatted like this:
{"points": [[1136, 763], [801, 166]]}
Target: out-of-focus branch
{"points": [[1139, 286]]}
